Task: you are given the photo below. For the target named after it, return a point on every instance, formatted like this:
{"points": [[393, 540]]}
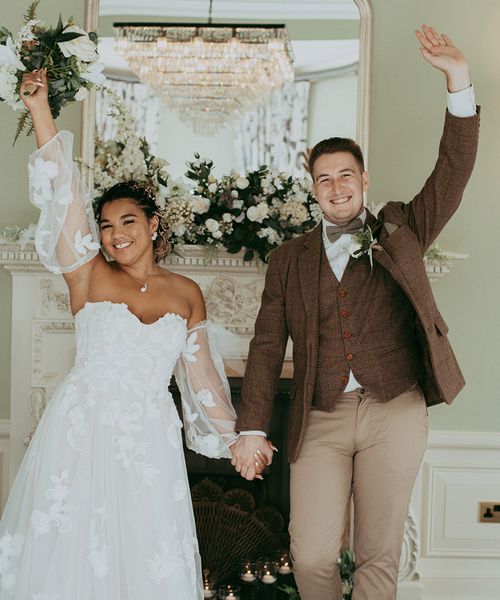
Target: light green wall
{"points": [[407, 116], [15, 208], [407, 112]]}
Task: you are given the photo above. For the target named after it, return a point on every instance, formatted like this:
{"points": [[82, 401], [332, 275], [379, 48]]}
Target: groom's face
{"points": [[338, 186]]}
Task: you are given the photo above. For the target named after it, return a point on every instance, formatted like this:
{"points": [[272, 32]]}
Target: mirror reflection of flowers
{"points": [[256, 211], [67, 52]]}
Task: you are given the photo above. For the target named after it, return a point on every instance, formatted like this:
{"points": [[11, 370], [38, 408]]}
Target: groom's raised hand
{"points": [[251, 454], [439, 51]]}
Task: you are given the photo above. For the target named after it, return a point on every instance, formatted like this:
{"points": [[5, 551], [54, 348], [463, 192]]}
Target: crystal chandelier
{"points": [[210, 74]]}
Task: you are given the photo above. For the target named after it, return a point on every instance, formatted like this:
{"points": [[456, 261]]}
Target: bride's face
{"points": [[126, 231]]}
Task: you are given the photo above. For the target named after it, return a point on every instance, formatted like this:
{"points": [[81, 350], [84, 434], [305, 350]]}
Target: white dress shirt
{"points": [[460, 104]]}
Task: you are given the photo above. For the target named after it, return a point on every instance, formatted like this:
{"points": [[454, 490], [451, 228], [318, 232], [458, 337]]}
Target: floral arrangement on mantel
{"points": [[256, 212], [67, 52]]}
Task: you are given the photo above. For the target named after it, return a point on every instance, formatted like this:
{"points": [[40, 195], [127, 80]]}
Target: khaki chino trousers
{"points": [[371, 450]]}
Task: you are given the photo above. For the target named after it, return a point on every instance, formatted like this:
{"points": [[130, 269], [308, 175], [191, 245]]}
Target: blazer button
{"points": [[342, 293], [345, 379], [347, 334], [349, 356], [344, 313]]}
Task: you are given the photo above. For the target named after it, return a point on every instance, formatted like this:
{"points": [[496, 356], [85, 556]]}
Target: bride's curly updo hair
{"points": [[144, 196]]}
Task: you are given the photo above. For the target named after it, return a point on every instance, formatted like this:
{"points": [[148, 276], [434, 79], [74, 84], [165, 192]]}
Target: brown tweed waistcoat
{"points": [[365, 325]]}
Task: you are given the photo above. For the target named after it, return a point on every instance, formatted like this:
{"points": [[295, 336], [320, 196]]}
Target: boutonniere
{"points": [[363, 242]]}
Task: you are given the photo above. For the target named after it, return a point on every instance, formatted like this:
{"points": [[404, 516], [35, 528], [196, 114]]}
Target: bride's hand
{"points": [[34, 90]]}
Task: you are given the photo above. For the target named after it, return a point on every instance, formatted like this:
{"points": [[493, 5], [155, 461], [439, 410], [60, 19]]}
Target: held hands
{"points": [[251, 455], [439, 51]]}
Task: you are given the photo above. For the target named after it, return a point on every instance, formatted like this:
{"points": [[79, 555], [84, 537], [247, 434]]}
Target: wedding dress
{"points": [[100, 508]]}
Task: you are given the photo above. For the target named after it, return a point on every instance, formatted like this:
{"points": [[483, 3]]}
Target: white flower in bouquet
{"points": [[258, 213], [294, 212], [242, 183], [227, 217], [27, 33], [212, 225], [237, 203], [212, 188], [234, 194], [199, 204], [93, 72], [82, 47], [217, 234], [178, 215], [8, 83], [9, 56], [81, 94]]}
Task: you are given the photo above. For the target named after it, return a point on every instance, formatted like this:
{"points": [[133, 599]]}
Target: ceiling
{"points": [[235, 9]]}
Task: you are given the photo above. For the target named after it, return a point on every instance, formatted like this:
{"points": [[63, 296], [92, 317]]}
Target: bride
{"points": [[100, 508]]}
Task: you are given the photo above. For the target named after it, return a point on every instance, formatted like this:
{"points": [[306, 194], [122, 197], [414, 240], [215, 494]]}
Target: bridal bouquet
{"points": [[67, 52]]}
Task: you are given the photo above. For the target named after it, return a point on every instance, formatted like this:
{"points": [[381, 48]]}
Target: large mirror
{"points": [[329, 94]]}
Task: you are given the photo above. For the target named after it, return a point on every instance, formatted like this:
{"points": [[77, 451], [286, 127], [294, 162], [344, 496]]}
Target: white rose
{"points": [[82, 47], [234, 193], [217, 234], [242, 183], [227, 218], [200, 204], [81, 94], [238, 204], [212, 188], [212, 225]]}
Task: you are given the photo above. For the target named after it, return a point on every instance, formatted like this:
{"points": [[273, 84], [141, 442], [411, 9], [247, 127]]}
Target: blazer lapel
{"points": [[309, 268]]}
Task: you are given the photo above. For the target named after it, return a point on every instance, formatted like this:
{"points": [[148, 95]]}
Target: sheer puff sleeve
{"points": [[209, 416], [66, 235]]}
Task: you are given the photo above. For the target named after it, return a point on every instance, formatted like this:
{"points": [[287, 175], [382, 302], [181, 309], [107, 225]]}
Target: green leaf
{"points": [[59, 28], [30, 13], [22, 122], [248, 255]]}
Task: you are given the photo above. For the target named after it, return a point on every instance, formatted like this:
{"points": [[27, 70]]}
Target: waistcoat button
{"points": [[349, 356], [342, 293]]}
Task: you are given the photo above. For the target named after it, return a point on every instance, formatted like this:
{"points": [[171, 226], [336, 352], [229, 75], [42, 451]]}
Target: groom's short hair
{"points": [[333, 145]]}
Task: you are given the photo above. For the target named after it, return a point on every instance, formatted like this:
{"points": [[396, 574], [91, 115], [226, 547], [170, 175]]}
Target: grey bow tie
{"points": [[333, 232]]}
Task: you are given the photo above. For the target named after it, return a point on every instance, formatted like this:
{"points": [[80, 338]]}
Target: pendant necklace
{"points": [[144, 287]]}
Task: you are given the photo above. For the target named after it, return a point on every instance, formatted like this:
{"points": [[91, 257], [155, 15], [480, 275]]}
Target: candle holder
{"points": [[229, 592], [285, 576], [249, 580], [268, 574], [208, 590]]}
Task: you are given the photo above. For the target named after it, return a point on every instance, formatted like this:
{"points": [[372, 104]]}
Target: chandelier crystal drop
{"points": [[209, 74]]}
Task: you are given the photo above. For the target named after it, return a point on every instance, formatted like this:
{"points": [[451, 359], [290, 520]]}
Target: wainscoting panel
{"points": [[460, 557]]}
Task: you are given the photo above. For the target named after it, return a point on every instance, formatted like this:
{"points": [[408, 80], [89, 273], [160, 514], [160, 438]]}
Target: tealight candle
{"points": [[248, 577], [268, 578], [285, 569]]}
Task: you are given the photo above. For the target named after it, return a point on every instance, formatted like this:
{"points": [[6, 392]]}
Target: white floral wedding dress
{"points": [[100, 508]]}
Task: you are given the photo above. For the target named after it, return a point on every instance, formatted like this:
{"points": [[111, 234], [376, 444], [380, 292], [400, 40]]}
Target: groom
{"points": [[370, 352]]}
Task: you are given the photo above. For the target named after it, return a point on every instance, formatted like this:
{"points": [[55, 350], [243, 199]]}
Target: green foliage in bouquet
{"points": [[67, 52]]}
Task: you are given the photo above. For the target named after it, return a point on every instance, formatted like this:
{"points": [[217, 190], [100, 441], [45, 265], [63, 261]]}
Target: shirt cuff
{"points": [[463, 103], [253, 432]]}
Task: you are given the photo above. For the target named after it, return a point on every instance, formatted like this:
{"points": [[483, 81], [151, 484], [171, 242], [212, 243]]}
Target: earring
{"points": [[154, 236]]}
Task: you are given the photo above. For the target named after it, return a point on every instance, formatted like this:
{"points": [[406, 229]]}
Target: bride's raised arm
{"points": [[67, 235]]}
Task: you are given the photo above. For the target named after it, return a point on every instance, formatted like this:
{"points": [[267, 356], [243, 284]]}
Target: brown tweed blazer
{"points": [[290, 298]]}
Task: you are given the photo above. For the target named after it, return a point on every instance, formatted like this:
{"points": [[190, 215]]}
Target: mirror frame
{"points": [[91, 21]]}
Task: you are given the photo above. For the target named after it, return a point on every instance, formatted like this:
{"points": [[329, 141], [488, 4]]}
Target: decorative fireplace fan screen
{"points": [[230, 529]]}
